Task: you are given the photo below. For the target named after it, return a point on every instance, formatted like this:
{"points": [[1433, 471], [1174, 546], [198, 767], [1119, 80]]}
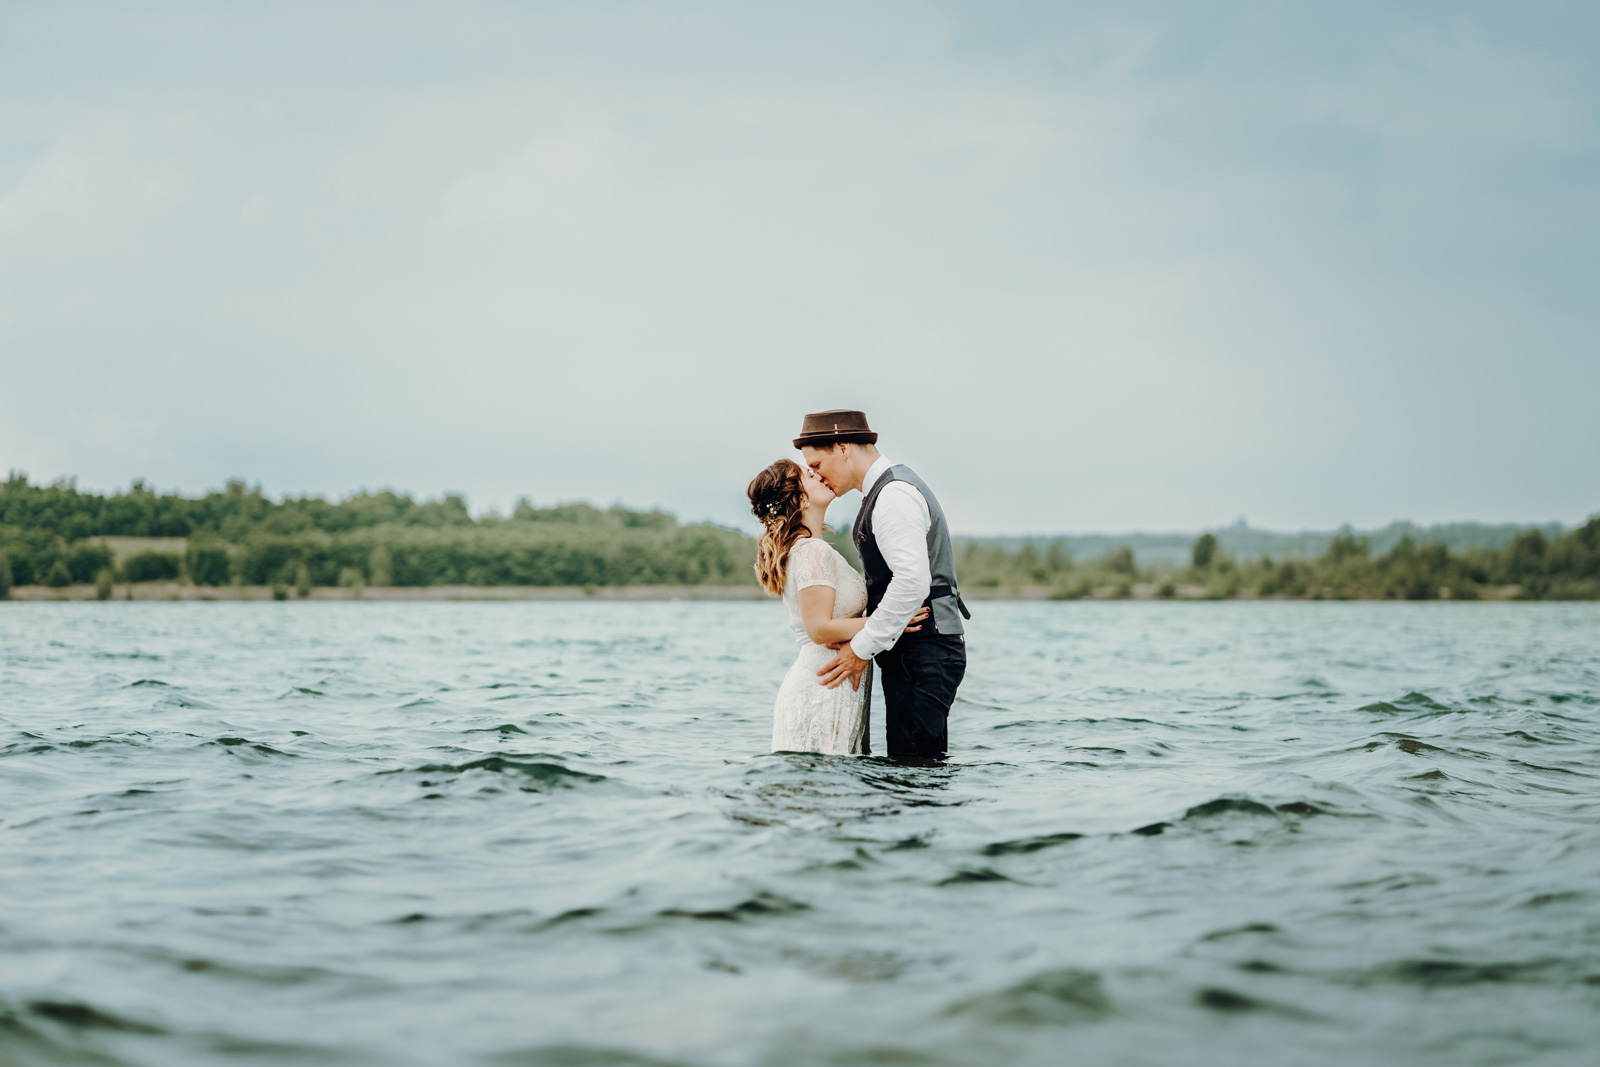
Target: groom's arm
{"points": [[900, 524]]}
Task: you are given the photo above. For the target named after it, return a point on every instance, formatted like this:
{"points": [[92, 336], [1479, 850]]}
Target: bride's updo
{"points": [[777, 496]]}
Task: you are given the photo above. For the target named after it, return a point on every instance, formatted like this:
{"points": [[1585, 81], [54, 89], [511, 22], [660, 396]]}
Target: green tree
{"points": [[150, 566], [208, 563], [380, 568], [5, 576], [1118, 561], [102, 584], [1346, 545], [58, 577], [1226, 580], [1205, 549], [302, 581], [85, 560], [1525, 560], [24, 568]]}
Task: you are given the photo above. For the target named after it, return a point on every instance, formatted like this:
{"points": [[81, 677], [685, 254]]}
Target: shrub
{"points": [[1076, 589], [58, 577], [1346, 545], [5, 576], [380, 568], [85, 560], [1118, 561], [152, 566], [208, 563], [1205, 547], [24, 568], [102, 584], [302, 581], [1524, 562], [1225, 583], [1287, 578]]}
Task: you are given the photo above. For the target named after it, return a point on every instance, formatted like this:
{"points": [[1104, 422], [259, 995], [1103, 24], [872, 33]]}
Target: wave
{"points": [[535, 771], [1432, 973], [1229, 1002], [1225, 806], [61, 1032], [579, 1056], [80, 1016], [971, 875], [761, 905], [1051, 998], [1025, 845], [244, 743]]}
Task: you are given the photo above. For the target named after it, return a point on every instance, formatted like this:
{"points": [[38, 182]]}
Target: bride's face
{"points": [[817, 491]]}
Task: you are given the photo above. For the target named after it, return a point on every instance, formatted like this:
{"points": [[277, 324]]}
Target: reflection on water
{"points": [[550, 834]]}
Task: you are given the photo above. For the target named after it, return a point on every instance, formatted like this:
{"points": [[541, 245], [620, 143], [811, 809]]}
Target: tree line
{"points": [[239, 535], [48, 532], [1533, 566]]}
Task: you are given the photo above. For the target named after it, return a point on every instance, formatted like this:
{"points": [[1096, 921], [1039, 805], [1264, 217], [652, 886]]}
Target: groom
{"points": [[909, 561]]}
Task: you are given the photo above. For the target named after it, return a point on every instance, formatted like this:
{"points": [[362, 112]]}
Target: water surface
{"points": [[548, 833]]}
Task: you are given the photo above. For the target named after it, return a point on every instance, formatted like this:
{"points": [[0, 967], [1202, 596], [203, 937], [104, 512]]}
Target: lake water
{"points": [[548, 833]]}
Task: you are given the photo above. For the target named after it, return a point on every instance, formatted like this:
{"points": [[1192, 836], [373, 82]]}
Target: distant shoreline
{"points": [[170, 591], [176, 591], [239, 545]]}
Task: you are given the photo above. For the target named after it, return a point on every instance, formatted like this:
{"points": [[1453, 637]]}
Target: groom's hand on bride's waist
{"points": [[846, 664]]}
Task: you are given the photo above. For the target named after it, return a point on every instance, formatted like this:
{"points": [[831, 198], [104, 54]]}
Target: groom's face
{"points": [[833, 464]]}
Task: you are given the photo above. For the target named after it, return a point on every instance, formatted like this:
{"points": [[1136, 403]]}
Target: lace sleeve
{"points": [[811, 563]]}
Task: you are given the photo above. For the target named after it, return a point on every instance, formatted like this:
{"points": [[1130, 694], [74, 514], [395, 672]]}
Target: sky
{"points": [[1087, 267]]}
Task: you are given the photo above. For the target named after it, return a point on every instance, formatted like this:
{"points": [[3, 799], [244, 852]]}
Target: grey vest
{"points": [[944, 597]]}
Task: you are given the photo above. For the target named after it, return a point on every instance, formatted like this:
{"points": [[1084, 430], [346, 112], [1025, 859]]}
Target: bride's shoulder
{"points": [[812, 557], [808, 545], [816, 548]]}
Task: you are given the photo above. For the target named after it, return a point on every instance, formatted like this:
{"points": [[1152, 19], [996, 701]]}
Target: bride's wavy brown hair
{"points": [[777, 496]]}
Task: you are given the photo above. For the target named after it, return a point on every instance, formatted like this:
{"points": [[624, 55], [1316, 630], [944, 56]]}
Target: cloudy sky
{"points": [[1094, 266]]}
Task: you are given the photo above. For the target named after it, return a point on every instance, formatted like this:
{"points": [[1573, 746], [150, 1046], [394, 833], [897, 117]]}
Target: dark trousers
{"points": [[920, 676]]}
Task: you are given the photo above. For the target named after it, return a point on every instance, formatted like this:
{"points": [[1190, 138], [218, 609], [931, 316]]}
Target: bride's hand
{"points": [[918, 618]]}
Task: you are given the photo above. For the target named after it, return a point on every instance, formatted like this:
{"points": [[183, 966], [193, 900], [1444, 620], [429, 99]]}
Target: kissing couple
{"points": [[904, 614]]}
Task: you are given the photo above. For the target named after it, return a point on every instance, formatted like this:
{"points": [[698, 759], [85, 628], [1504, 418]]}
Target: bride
{"points": [[825, 597]]}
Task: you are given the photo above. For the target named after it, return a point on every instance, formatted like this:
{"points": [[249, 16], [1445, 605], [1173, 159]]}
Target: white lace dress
{"points": [[809, 717]]}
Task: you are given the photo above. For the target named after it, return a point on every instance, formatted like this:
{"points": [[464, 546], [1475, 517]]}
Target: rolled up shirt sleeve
{"points": [[900, 522]]}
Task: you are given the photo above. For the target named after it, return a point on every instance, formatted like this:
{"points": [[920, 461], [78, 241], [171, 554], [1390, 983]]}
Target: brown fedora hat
{"points": [[826, 427]]}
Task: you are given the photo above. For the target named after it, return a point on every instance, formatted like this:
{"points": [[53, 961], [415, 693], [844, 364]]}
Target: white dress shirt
{"points": [[900, 522]]}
